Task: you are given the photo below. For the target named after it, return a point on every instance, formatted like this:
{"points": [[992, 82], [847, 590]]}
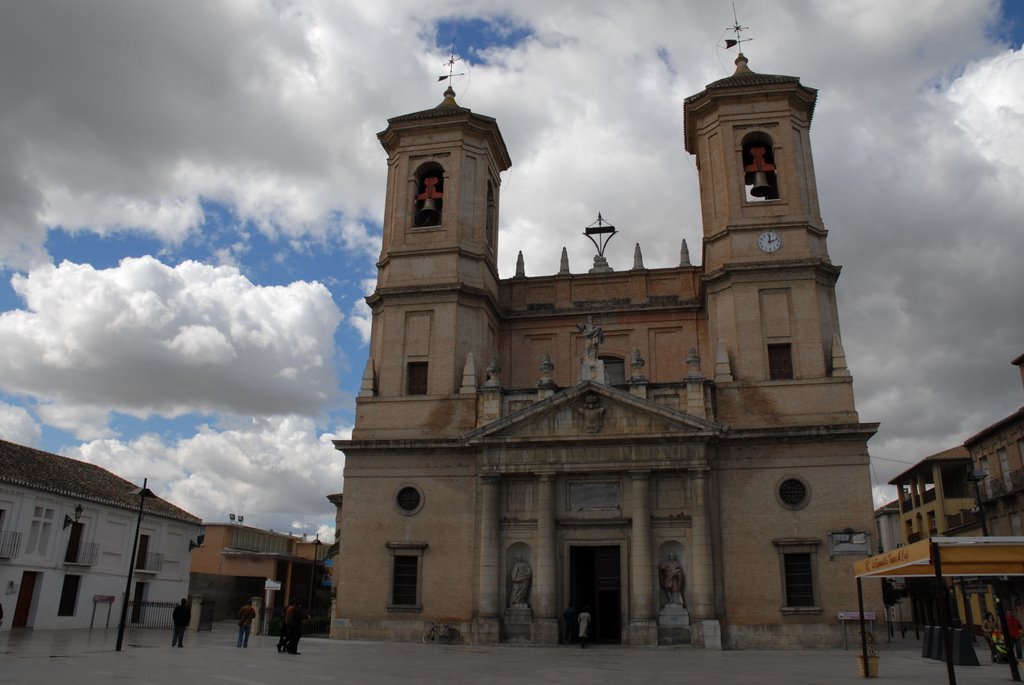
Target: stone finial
{"points": [[839, 368], [563, 268], [693, 366], [546, 367], [493, 380], [723, 371], [449, 98], [638, 258], [520, 266], [600, 265], [684, 254], [741, 65], [468, 376], [368, 387]]}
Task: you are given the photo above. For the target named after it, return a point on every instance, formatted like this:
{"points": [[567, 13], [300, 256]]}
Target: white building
{"points": [[66, 534]]}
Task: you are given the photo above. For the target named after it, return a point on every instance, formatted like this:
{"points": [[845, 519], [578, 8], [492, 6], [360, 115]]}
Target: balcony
{"points": [[86, 555], [10, 544], [965, 518], [1007, 485], [153, 563]]}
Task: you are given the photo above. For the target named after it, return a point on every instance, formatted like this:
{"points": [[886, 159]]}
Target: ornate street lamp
{"points": [[142, 494]]}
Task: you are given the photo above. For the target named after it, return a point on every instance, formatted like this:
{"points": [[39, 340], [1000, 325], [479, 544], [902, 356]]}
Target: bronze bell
{"points": [[428, 215], [761, 186]]}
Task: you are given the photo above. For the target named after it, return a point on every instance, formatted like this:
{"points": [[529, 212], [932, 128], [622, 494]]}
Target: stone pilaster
{"points": [[485, 623], [545, 611], [489, 553], [702, 578], [642, 627]]}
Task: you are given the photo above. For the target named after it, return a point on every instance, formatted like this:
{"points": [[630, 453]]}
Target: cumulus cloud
{"points": [[271, 110], [273, 470], [146, 338], [18, 426]]}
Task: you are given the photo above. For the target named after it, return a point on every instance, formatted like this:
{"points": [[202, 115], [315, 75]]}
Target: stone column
{"points": [[486, 619], [489, 555], [542, 600], [642, 628], [702, 582]]}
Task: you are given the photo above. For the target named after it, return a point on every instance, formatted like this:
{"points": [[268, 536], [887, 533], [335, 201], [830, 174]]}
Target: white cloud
{"points": [[272, 110], [145, 338], [18, 426], [272, 470]]}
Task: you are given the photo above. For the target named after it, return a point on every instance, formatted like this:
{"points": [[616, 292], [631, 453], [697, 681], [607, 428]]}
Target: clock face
{"points": [[769, 241]]}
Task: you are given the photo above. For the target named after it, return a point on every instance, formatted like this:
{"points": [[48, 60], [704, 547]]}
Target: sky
{"points": [[191, 197]]}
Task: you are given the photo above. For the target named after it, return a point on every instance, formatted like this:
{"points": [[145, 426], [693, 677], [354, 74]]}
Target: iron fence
{"points": [[160, 615]]}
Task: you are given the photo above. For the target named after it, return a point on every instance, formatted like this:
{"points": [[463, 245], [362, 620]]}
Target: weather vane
{"points": [[738, 30], [451, 66]]}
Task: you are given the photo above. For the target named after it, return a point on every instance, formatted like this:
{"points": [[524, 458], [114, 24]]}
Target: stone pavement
{"points": [[82, 657]]}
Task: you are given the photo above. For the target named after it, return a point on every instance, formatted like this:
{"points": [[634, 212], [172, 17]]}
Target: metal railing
{"points": [[150, 562], [86, 555], [160, 615], [10, 544]]}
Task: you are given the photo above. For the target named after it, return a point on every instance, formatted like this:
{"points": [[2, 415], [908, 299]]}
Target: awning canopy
{"points": [[966, 556]]}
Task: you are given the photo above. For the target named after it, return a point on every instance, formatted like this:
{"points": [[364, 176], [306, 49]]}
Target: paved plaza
{"points": [[82, 657]]}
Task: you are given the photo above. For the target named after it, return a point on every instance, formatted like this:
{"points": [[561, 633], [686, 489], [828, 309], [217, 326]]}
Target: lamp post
{"points": [[143, 493]]}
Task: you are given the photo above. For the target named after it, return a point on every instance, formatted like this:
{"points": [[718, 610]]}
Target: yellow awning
{"points": [[966, 556]]}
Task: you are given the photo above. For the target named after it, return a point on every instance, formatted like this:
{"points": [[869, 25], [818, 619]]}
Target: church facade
{"points": [[675, 449]]}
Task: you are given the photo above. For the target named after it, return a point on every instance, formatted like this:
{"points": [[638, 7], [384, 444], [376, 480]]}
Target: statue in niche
{"points": [[521, 576], [592, 413], [671, 574], [592, 336]]}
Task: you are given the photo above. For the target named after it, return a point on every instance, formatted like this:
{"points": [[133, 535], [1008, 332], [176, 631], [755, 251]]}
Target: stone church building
{"points": [[677, 449]]}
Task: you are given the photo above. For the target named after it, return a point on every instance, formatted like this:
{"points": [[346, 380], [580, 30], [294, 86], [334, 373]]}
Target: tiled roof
{"points": [[953, 454], [39, 470], [995, 427]]}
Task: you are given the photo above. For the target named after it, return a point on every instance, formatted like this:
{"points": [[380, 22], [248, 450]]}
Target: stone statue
{"points": [[593, 336], [522, 574], [671, 574]]}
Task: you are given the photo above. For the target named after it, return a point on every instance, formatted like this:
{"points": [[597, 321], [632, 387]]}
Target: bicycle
{"points": [[443, 633]]}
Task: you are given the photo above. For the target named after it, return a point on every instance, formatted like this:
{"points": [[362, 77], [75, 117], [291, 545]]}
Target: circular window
{"points": [[793, 493], [409, 500]]}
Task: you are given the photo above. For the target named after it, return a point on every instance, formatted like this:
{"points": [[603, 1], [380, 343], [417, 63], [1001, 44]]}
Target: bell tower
{"points": [[437, 281], [769, 284]]}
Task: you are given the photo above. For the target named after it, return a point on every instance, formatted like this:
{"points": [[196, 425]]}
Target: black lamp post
{"points": [[143, 493]]}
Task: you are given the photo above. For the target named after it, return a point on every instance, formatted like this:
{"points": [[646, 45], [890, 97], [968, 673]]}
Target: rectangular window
{"points": [[405, 581], [71, 556], [39, 530], [69, 596], [780, 362], [799, 580], [416, 378]]}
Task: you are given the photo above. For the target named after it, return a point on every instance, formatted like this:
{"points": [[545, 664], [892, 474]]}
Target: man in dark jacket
{"points": [[182, 616], [295, 628]]}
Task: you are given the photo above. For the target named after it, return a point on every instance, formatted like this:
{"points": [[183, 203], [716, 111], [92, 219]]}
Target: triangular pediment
{"points": [[595, 410]]}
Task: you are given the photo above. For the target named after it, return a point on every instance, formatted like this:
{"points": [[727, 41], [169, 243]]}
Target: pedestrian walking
{"points": [[584, 622], [295, 628], [282, 643], [181, 616], [245, 617], [569, 622]]}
